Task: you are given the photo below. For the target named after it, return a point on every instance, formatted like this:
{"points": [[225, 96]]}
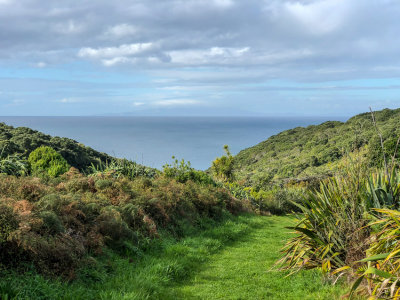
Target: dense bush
{"points": [[317, 149], [8, 222], [182, 171], [45, 160], [56, 224], [23, 141], [276, 200]]}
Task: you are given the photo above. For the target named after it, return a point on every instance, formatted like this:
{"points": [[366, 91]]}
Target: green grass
{"points": [[244, 270], [231, 260]]}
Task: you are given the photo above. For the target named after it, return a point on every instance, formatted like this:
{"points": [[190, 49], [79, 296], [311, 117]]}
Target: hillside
{"points": [[23, 140], [304, 153]]}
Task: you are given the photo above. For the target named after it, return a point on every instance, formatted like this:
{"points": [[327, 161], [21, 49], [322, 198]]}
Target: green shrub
{"points": [[45, 160], [113, 227], [51, 202], [102, 184], [8, 222], [78, 184], [275, 200], [317, 149], [182, 171], [222, 167], [22, 141], [51, 222]]}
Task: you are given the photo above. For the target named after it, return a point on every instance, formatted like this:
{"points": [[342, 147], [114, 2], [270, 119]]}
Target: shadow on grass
{"points": [[151, 275], [156, 275]]}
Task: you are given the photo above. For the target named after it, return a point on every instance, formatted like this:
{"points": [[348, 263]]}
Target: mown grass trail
{"points": [[228, 260], [244, 269]]}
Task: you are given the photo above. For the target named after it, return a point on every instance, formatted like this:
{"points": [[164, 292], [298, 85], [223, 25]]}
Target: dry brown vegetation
{"points": [[59, 223]]}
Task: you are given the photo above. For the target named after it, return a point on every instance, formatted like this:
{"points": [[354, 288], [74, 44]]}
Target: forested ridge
{"points": [[309, 152], [23, 140]]}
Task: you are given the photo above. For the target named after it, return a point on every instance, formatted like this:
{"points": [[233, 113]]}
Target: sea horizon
{"points": [[153, 140]]}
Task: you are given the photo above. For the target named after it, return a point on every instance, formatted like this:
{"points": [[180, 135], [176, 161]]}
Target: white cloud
{"points": [[115, 52], [212, 55], [320, 17], [148, 53], [117, 60]]}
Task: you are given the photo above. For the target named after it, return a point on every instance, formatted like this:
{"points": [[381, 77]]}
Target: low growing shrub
{"points": [[182, 171], [8, 222], [55, 224], [45, 160]]}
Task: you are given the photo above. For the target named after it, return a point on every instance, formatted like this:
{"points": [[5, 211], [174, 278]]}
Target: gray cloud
{"points": [[198, 53], [357, 36]]}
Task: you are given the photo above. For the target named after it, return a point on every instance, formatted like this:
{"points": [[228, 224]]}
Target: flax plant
{"points": [[14, 165], [381, 268], [328, 234]]}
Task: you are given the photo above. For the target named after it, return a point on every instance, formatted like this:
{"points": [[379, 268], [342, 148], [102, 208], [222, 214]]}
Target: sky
{"points": [[199, 57]]}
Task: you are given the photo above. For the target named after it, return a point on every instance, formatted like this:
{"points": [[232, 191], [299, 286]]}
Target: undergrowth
{"points": [[57, 224], [142, 273]]}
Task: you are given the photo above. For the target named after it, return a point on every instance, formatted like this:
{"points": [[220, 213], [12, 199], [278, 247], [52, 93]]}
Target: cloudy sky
{"points": [[199, 57]]}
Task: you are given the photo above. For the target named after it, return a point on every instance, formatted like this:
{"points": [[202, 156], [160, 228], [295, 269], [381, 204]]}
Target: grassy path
{"points": [[243, 270], [229, 260]]}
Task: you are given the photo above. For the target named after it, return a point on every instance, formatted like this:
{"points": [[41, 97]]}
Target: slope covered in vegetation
{"points": [[311, 152], [23, 141], [58, 224]]}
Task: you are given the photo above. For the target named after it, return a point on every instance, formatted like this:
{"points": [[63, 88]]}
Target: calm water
{"points": [[153, 140]]}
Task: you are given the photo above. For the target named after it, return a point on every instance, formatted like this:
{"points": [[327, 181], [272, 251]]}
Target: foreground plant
{"points": [[60, 224], [331, 231], [379, 276]]}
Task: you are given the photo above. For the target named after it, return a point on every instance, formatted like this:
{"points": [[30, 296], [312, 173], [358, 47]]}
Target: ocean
{"points": [[152, 141]]}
